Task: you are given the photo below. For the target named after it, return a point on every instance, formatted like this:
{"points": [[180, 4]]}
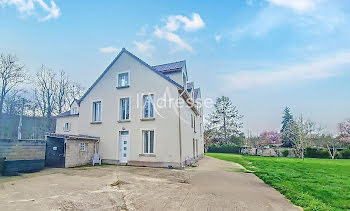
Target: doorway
{"points": [[123, 146]]}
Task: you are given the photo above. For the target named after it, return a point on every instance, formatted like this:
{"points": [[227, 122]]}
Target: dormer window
{"points": [[123, 80]]}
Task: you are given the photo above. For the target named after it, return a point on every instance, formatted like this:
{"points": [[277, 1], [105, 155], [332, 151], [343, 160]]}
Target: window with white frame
{"points": [[123, 79], [82, 146], [148, 103], [74, 110], [96, 110], [66, 127], [124, 109], [191, 120], [148, 141]]}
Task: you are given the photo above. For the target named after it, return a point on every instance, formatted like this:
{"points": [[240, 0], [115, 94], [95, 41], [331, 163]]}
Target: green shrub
{"points": [[345, 153], [225, 148], [316, 153], [285, 153]]}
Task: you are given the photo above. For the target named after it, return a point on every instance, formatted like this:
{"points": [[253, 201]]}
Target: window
{"points": [[96, 111], [148, 101], [66, 127], [200, 129], [123, 79], [124, 109], [148, 141], [74, 110], [82, 146]]}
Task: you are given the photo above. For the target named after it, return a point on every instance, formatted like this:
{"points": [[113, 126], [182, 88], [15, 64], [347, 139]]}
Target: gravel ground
{"points": [[213, 185]]}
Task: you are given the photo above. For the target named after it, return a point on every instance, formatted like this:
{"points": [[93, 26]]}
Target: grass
{"points": [[314, 184]]}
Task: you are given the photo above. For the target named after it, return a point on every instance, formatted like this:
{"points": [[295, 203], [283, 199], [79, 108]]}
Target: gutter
{"points": [[180, 140]]}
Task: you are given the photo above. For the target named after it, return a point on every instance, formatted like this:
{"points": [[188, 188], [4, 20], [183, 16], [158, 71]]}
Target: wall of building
{"points": [[165, 124], [73, 120], [142, 81], [22, 156], [76, 157]]}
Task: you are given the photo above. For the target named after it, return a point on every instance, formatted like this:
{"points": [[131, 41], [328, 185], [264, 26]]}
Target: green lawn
{"points": [[314, 184]]}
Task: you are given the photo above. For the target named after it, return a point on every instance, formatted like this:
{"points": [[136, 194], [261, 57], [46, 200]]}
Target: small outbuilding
{"points": [[66, 151]]}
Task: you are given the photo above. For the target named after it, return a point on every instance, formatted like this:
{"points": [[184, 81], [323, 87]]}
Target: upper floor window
{"points": [[124, 109], [123, 79], [96, 108], [148, 101], [66, 127], [74, 110], [148, 141]]}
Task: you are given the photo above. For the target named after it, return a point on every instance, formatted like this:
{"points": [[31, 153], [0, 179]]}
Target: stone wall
{"points": [[22, 156], [75, 157], [267, 152]]}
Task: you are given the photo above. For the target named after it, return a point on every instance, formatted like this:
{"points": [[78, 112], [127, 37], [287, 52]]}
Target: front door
{"points": [[123, 146], [55, 152]]}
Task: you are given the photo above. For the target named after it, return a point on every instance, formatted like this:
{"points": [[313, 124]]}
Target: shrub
{"points": [[225, 148], [285, 153], [316, 153], [345, 153]]}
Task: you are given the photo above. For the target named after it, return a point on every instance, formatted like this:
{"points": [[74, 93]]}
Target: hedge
{"points": [[225, 148]]}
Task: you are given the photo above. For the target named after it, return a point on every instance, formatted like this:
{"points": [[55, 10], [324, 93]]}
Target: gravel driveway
{"points": [[214, 185]]}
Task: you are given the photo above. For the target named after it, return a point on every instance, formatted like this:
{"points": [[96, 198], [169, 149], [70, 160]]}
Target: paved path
{"points": [[211, 186], [238, 190]]}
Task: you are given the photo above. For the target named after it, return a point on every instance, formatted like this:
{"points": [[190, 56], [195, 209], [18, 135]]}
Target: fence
{"points": [[21, 156]]}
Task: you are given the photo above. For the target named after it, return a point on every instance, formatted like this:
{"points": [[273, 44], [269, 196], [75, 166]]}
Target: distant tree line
{"points": [[305, 137], [37, 97]]}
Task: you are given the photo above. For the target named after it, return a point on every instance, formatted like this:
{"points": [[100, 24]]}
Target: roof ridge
{"points": [[169, 63]]}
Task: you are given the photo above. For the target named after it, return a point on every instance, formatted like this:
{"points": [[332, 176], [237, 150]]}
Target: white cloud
{"points": [[109, 49], [297, 5], [173, 38], [217, 38], [174, 21], [145, 48], [28, 7], [317, 68]]}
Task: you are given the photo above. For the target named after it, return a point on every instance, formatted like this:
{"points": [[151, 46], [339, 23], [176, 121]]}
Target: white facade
{"points": [[128, 132]]}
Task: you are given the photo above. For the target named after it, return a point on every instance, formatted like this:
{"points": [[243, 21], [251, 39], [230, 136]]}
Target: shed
{"points": [[66, 151]]}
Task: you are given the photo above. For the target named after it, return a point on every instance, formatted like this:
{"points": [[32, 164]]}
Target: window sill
{"points": [[122, 87], [96, 122], [148, 119], [147, 155], [121, 121]]}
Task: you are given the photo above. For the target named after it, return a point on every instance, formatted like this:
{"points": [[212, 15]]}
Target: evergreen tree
{"points": [[224, 122], [287, 123]]}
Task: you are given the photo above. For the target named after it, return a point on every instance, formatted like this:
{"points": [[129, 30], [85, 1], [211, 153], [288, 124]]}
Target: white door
{"points": [[123, 151]]}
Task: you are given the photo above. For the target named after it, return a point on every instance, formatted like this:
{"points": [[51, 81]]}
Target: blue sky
{"points": [[263, 54]]}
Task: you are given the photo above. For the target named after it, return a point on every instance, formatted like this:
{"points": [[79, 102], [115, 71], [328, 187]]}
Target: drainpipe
{"points": [[180, 141]]}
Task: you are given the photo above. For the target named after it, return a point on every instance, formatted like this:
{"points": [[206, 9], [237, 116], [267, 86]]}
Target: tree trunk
{"points": [[225, 128]]}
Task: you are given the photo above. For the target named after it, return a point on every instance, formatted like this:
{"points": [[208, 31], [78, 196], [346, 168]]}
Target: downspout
{"points": [[180, 141]]}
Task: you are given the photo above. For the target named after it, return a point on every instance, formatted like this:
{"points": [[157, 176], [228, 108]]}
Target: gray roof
{"points": [[67, 113], [170, 67]]}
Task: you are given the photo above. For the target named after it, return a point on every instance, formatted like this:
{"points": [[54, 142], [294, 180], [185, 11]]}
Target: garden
{"points": [[314, 184]]}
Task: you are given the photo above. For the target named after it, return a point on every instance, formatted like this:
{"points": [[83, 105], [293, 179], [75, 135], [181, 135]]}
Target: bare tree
{"points": [[12, 74], [45, 91], [62, 92], [76, 91]]}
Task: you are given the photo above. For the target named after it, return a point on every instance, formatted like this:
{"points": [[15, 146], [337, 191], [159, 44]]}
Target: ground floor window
{"points": [[148, 141], [82, 146]]}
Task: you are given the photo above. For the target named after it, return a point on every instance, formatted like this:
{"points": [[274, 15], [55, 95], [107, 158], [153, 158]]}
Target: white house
{"points": [[143, 115]]}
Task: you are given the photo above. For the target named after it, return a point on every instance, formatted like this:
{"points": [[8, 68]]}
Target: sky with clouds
{"points": [[263, 54]]}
